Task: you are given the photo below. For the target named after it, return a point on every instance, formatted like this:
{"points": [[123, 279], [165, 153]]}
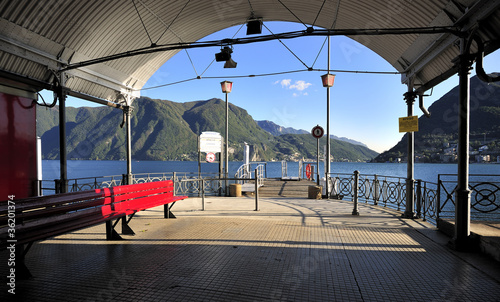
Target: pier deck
{"points": [[290, 250]]}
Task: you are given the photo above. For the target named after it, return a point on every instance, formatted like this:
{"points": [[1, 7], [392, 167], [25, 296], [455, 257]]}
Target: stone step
{"points": [[285, 188]]}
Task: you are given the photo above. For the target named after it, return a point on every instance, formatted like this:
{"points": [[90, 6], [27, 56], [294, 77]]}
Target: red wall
{"points": [[18, 169]]}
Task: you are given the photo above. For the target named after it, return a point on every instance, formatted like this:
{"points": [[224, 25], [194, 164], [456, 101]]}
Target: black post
{"points": [[61, 95], [355, 193], [462, 207], [419, 198], [410, 181]]}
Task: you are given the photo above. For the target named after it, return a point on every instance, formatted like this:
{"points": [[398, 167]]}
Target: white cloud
{"points": [[285, 82], [299, 85]]}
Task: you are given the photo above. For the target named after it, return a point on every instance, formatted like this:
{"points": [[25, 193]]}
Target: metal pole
{"points": [[317, 161], [462, 208], [129, 144], [225, 147], [327, 155], [356, 192], [256, 189], [410, 167], [61, 95], [202, 195]]}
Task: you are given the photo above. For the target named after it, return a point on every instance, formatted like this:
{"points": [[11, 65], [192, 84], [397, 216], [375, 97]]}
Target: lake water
{"points": [[88, 168]]}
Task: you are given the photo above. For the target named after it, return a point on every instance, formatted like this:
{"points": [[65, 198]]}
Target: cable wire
{"points": [[214, 58], [287, 47], [178, 14], [317, 15], [144, 25], [273, 74], [292, 13], [332, 27]]}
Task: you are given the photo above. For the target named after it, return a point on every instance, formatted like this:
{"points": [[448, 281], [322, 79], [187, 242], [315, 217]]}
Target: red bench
{"points": [[38, 218]]}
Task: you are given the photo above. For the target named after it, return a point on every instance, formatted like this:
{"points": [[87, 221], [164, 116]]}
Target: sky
{"points": [[363, 107]]}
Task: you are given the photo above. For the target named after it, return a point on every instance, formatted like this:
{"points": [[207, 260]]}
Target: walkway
{"points": [[290, 250]]}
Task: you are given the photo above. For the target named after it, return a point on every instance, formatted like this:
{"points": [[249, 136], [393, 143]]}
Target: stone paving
{"points": [[290, 250]]}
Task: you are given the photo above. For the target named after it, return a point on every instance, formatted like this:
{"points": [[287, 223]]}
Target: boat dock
{"points": [[293, 249]]}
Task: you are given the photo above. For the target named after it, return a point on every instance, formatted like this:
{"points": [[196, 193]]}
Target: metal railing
{"points": [[243, 172], [432, 200], [485, 196], [259, 175], [284, 169]]}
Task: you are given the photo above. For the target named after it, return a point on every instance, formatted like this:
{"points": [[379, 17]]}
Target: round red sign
{"points": [[210, 157], [317, 132]]}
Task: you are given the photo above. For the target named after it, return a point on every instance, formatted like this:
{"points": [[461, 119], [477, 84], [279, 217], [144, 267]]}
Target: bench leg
{"points": [[111, 233], [166, 211], [22, 272], [126, 229]]}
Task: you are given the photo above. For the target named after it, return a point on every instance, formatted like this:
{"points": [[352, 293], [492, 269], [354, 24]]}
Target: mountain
{"points": [[165, 130], [277, 130], [438, 135]]}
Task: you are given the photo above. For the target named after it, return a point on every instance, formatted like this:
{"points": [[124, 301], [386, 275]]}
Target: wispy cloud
{"points": [[284, 83], [299, 85]]}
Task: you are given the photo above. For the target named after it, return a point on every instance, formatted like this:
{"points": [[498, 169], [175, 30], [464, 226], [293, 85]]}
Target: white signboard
{"points": [[210, 142]]}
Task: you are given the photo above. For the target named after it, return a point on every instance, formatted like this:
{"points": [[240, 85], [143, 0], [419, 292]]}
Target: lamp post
{"points": [[226, 88], [327, 80]]}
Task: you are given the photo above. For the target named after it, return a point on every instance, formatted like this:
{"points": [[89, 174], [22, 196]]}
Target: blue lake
{"points": [[88, 168]]}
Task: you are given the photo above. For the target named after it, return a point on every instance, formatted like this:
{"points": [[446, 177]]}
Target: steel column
{"points": [[128, 114], [226, 161], [462, 207], [410, 169], [63, 167], [327, 155]]}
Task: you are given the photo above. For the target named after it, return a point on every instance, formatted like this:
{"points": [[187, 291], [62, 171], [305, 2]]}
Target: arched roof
{"points": [[40, 36]]}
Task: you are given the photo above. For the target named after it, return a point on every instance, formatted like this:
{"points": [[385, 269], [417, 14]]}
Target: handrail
{"points": [[284, 169], [260, 175], [243, 172]]}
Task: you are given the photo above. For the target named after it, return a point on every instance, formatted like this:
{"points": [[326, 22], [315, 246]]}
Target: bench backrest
{"points": [[68, 211]]}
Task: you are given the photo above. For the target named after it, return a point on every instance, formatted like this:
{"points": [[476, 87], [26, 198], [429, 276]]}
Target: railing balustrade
{"points": [[432, 200]]}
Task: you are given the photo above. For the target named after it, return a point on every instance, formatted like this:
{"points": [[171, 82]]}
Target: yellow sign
{"points": [[408, 124]]}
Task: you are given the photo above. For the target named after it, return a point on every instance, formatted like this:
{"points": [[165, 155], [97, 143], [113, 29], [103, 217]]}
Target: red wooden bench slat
{"points": [[48, 216], [51, 200]]}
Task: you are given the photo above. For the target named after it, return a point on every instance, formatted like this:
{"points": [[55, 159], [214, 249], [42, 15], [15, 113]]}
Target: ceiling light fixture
{"points": [[225, 56]]}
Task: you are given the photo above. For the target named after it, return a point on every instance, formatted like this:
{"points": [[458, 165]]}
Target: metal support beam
{"points": [[461, 239], [61, 96], [410, 169]]}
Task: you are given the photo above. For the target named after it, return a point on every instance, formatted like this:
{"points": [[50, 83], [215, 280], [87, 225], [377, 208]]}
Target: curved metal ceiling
{"points": [[40, 36]]}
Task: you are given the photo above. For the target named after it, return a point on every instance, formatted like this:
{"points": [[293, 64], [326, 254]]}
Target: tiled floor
{"points": [[290, 250]]}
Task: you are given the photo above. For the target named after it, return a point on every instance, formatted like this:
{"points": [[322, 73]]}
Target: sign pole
{"points": [[317, 161], [318, 132]]}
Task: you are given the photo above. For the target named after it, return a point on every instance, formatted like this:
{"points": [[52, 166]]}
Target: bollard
{"points": [[419, 197], [355, 197], [202, 195]]}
